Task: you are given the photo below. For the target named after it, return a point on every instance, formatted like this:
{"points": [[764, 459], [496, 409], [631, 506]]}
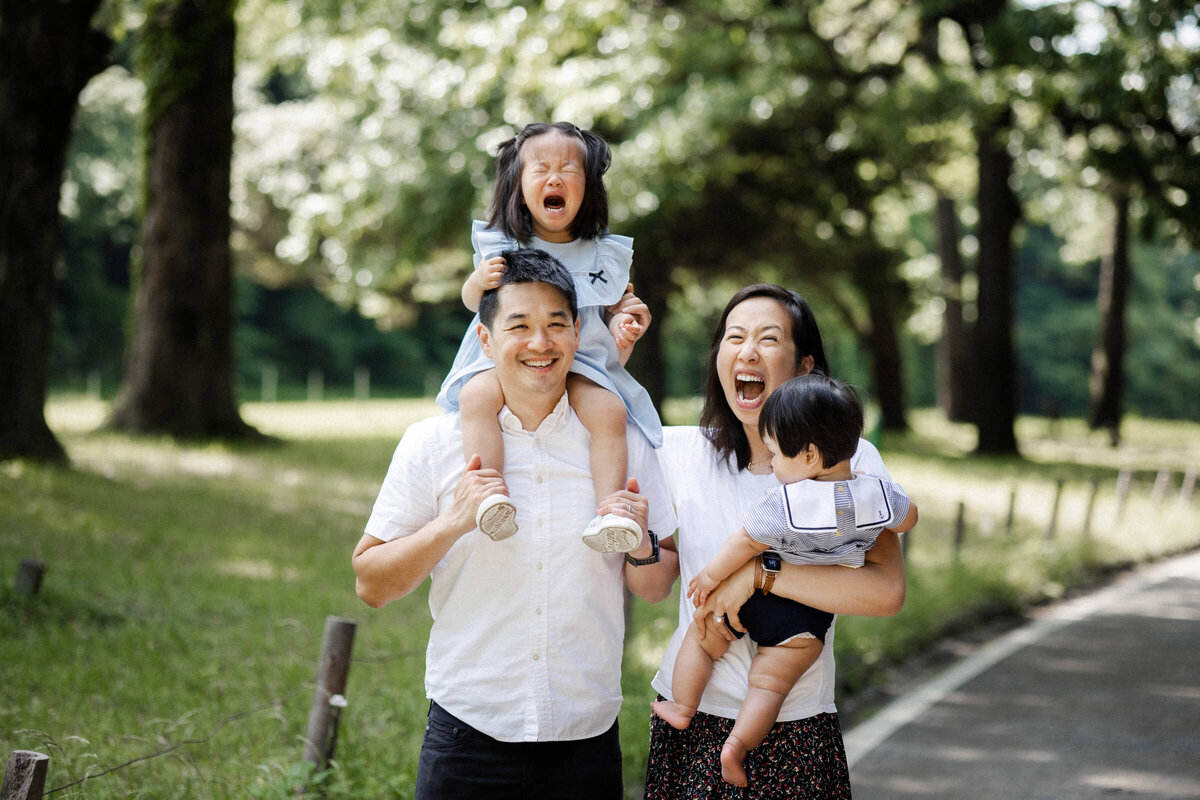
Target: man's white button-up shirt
{"points": [[527, 632]]}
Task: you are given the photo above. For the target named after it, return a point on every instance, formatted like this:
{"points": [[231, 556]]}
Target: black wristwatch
{"points": [[651, 559]]}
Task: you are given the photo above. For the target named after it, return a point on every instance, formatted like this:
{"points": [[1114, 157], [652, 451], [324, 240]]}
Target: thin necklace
{"points": [[754, 462]]}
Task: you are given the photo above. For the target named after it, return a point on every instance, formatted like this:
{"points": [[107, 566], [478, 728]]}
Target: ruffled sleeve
{"points": [[488, 242], [603, 282]]}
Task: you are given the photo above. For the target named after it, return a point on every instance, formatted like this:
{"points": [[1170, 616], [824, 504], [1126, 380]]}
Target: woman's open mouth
{"points": [[749, 387], [554, 202]]}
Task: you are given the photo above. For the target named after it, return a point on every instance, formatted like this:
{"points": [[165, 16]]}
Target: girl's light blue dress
{"points": [[600, 268]]}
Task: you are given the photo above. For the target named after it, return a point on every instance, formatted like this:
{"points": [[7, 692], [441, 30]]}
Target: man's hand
{"points": [[476, 485], [627, 503]]}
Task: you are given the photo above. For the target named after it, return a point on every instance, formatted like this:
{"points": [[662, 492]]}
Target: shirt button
{"points": [[539, 478], [538, 612], [536, 657], [539, 565]]}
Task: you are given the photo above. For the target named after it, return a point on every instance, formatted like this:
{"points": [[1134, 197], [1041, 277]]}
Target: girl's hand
{"points": [[625, 329], [631, 304], [485, 276], [489, 272]]}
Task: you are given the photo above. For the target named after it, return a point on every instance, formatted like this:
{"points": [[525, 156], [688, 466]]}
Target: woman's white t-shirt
{"points": [[711, 500]]}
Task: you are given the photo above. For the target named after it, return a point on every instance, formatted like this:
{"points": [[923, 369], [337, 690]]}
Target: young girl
{"points": [[823, 514], [549, 194]]}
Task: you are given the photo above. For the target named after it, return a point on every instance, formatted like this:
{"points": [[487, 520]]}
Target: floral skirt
{"points": [[800, 760]]}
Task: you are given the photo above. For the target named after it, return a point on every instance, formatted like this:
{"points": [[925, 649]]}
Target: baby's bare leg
{"points": [[693, 668], [773, 673], [603, 413], [479, 405]]}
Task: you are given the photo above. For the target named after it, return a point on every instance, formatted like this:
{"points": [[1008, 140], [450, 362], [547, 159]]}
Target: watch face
{"points": [[772, 562]]}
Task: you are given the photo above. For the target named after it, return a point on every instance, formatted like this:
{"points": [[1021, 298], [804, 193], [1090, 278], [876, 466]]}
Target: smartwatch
{"points": [[771, 564], [650, 559]]}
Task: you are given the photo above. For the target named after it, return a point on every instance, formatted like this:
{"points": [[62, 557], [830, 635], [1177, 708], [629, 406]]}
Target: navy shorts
{"points": [[771, 620]]}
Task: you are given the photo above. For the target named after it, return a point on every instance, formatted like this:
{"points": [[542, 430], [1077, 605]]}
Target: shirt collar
{"points": [[555, 420]]}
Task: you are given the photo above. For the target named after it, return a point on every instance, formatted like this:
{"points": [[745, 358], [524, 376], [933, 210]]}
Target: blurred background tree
{"points": [[842, 148]]}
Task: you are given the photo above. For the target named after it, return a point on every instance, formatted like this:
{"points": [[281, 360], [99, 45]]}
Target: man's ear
{"points": [[485, 339]]}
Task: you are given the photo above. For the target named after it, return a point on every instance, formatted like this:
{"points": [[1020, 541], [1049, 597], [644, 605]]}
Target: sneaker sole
{"points": [[612, 540], [498, 523]]}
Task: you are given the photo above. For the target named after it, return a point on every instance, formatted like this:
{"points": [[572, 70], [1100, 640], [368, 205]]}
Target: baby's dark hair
{"points": [[529, 266], [508, 212], [813, 409]]}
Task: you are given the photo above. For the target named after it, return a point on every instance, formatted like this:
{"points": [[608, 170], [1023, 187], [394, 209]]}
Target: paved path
{"points": [[1098, 697]]}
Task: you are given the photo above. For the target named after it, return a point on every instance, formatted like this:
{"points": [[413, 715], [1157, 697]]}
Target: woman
{"points": [[766, 335]]}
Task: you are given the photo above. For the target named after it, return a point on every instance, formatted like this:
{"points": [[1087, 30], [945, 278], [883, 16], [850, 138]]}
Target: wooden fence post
{"points": [[1012, 512], [1188, 485], [25, 777], [29, 577], [362, 383], [960, 528], [1160, 485], [1053, 523], [316, 385], [1124, 479], [1091, 505], [329, 698]]}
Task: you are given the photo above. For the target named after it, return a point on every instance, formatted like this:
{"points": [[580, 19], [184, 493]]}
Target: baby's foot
{"points": [[675, 715], [733, 753]]}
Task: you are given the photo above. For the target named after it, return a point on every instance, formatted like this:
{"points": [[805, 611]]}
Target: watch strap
{"points": [[653, 558]]}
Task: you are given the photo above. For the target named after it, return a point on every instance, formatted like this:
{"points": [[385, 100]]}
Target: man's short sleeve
{"points": [[407, 499]]}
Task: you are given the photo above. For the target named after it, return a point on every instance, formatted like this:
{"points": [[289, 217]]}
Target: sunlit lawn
{"points": [[187, 587]]}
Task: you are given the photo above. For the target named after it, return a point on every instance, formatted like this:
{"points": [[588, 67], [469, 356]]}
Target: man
{"points": [[524, 658]]}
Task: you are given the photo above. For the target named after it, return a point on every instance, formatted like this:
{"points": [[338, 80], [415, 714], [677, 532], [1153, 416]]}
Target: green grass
{"points": [[187, 588]]}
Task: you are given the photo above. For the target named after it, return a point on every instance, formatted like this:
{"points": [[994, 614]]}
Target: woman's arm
{"points": [[876, 589]]}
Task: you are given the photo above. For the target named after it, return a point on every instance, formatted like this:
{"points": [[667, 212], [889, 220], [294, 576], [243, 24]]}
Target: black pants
{"points": [[458, 761]]}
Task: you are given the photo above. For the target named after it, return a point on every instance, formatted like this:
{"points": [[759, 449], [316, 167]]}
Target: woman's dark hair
{"points": [[508, 212], [813, 409], [529, 266], [721, 426]]}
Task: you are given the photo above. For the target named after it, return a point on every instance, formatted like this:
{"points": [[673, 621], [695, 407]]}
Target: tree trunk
{"points": [[48, 52], [648, 363], [995, 394], [953, 379], [1106, 383], [179, 365], [886, 362]]}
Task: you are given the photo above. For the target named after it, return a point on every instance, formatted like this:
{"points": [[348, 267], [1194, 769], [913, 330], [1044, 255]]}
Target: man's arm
{"points": [[653, 582], [387, 571]]}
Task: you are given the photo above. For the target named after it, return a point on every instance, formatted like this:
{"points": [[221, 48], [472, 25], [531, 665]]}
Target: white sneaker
{"points": [[497, 517], [612, 534]]}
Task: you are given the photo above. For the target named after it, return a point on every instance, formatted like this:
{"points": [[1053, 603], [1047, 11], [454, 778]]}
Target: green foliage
{"points": [[796, 143]]}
